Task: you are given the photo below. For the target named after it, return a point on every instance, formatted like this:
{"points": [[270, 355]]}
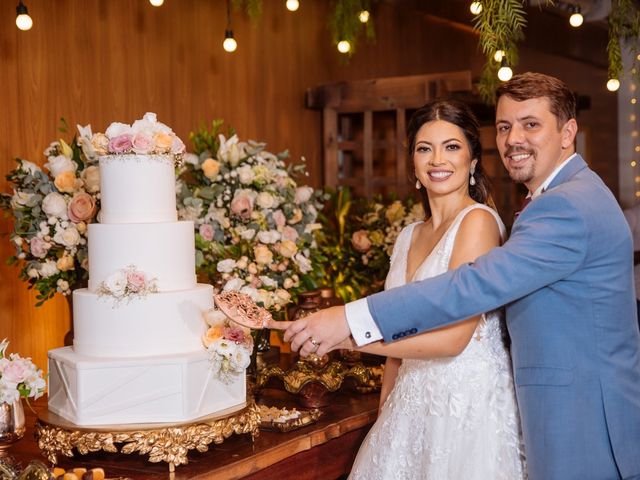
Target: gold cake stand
{"points": [[162, 442]]}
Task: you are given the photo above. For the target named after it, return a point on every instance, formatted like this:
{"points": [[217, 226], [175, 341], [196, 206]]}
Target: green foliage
{"points": [[624, 27], [500, 25], [207, 139], [346, 25], [253, 8]]}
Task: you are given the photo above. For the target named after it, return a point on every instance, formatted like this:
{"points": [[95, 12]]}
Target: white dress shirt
{"points": [[364, 329]]}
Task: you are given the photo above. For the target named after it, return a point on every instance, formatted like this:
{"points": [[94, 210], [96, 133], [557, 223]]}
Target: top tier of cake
{"points": [[137, 189], [137, 171]]}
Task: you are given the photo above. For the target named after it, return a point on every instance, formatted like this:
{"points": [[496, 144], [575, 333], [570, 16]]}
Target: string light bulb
{"points": [[292, 5], [498, 55], [363, 16], [156, 3], [613, 84], [23, 20], [475, 8], [576, 18], [344, 46], [505, 73], [230, 45]]}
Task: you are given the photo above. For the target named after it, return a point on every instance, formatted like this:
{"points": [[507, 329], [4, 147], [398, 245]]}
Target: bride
{"points": [[447, 406]]}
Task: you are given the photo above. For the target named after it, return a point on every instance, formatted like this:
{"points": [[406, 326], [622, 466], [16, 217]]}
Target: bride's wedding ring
{"points": [[313, 342]]}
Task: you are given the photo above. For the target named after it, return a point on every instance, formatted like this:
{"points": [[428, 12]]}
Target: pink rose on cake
{"points": [[128, 283], [120, 144], [82, 207], [136, 281], [142, 143]]}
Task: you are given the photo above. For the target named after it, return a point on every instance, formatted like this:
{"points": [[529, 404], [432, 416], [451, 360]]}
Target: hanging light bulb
{"points": [[293, 5], [229, 43], [475, 8], [498, 55], [344, 46], [613, 84], [505, 73], [23, 20], [156, 3], [576, 18], [363, 16]]}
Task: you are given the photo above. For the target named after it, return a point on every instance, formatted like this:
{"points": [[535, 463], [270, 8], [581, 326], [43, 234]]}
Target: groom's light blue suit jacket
{"points": [[566, 278]]}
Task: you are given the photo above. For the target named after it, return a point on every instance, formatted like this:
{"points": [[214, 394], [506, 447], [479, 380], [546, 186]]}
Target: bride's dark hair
{"points": [[459, 114]]}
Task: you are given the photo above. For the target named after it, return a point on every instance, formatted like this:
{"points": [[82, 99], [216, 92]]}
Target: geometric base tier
{"points": [[168, 443], [90, 391]]}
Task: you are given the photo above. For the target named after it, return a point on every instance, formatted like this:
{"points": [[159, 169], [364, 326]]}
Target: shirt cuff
{"points": [[363, 328]]}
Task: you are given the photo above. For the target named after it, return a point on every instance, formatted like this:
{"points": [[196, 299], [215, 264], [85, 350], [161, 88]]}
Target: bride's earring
{"points": [[472, 179], [418, 185]]}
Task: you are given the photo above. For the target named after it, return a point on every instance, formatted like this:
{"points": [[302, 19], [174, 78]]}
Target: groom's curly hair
{"points": [[460, 115]]}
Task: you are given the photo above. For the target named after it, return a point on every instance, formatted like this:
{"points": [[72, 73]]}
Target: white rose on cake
{"points": [[117, 129], [116, 283]]}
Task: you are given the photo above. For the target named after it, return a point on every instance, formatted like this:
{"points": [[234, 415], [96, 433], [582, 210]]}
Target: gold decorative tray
{"points": [[285, 420]]}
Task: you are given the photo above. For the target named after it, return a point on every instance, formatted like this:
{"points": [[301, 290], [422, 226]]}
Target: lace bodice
{"points": [[447, 418]]}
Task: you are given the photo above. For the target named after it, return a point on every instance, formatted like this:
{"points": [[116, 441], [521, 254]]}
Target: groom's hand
{"points": [[318, 333]]}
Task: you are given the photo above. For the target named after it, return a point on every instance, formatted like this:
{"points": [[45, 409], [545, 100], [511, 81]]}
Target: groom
{"points": [[566, 278]]}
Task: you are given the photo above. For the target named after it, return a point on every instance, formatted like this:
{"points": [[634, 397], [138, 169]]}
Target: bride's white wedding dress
{"points": [[449, 418]]}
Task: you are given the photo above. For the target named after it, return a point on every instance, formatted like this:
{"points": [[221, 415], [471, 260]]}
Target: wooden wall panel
{"points": [[98, 61]]}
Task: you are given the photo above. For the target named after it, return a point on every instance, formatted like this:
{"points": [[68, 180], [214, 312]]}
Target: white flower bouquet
{"points": [[19, 377], [255, 226], [229, 345], [51, 209]]}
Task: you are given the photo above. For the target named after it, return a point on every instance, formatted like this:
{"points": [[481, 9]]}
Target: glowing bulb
{"points": [[505, 73], [576, 19], [637, 149], [637, 194], [634, 134], [156, 3], [475, 8], [633, 101], [498, 55], [344, 46], [23, 20], [293, 5], [633, 164], [632, 117], [363, 16], [613, 84], [229, 43], [637, 179]]}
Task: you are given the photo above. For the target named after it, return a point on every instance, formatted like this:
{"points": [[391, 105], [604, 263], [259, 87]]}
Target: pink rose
{"points": [[16, 371], [136, 281], [279, 218], [38, 247], [120, 144], [234, 334], [242, 205], [360, 241], [206, 232], [303, 194], [82, 207], [177, 147], [142, 144], [290, 233]]}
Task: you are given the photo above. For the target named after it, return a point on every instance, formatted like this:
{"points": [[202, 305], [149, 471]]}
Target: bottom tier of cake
{"points": [[90, 391]]}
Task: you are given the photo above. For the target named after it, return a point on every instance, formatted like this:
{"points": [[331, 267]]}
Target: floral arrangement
{"points": [[127, 284], [51, 209], [358, 238], [19, 377], [146, 136], [255, 226], [229, 345]]}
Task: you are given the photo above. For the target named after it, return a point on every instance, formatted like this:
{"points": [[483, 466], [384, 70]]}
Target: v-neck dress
{"points": [[447, 418]]}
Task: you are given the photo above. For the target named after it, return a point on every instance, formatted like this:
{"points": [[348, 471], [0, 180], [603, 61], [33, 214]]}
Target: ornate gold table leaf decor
{"points": [[310, 382], [284, 420], [169, 444]]}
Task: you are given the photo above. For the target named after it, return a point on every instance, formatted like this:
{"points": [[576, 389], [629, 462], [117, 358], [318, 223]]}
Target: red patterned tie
{"points": [[524, 204]]}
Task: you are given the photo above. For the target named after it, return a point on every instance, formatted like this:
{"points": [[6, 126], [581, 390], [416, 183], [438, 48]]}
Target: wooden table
{"points": [[323, 451]]}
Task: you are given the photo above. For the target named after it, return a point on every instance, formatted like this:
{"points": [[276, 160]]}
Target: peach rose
{"points": [[82, 207], [395, 212], [360, 241], [67, 182], [287, 248], [65, 263], [163, 142], [296, 217], [242, 205], [210, 168], [212, 334], [263, 254], [100, 143], [91, 178]]}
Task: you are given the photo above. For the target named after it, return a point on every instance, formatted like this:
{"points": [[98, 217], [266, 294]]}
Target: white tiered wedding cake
{"points": [[137, 354]]}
